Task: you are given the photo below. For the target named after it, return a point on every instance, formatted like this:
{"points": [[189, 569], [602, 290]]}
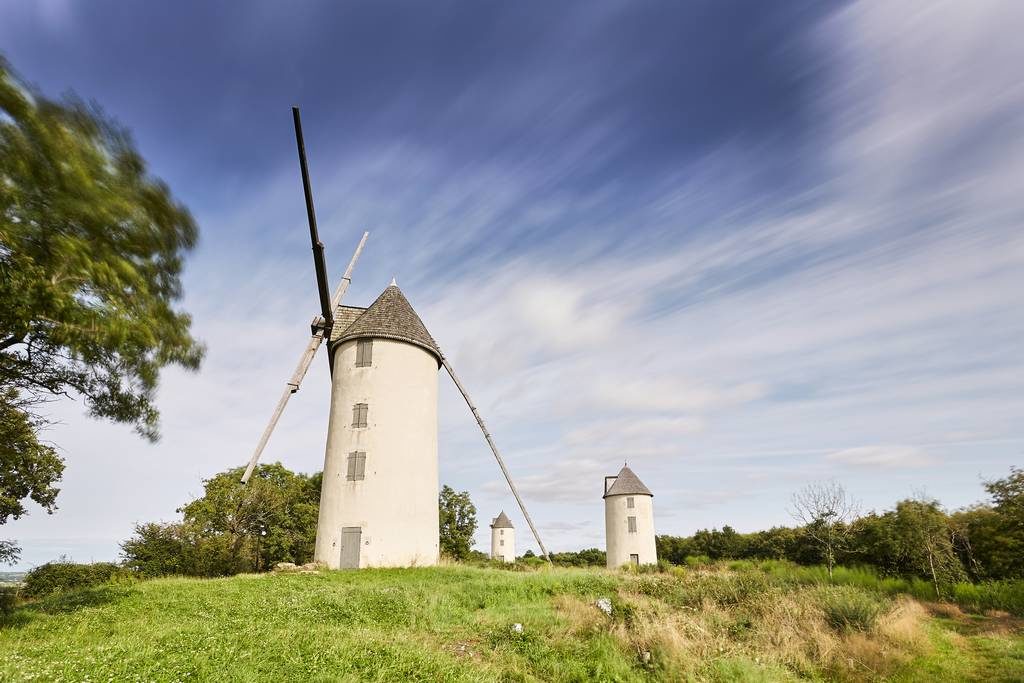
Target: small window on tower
{"points": [[632, 524], [629, 502], [359, 412], [356, 466], [364, 353], [501, 532], [501, 542]]}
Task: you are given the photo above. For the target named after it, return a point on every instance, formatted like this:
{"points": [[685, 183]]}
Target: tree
{"points": [[158, 549], [995, 533], [233, 528], [91, 251], [926, 543], [457, 522], [28, 468], [825, 511], [268, 520], [9, 552]]}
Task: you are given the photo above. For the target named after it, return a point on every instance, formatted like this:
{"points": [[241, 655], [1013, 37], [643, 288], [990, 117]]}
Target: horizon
{"points": [[744, 247]]}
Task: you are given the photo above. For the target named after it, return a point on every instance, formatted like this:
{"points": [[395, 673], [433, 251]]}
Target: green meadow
{"points": [[738, 622]]}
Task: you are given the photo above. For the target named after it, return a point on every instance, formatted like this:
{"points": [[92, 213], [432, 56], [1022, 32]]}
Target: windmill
{"points": [[379, 497]]}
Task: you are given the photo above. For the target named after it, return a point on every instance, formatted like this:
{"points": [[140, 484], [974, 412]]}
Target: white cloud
{"points": [[881, 456], [885, 310]]}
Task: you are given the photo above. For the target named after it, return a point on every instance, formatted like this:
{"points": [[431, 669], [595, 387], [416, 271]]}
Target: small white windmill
{"points": [[378, 503]]}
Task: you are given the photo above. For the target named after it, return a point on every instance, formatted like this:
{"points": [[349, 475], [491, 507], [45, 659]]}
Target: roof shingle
{"points": [[391, 316], [627, 484], [501, 522]]}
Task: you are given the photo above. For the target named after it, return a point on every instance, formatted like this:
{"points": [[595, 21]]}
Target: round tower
{"points": [[378, 501], [503, 539], [628, 520]]}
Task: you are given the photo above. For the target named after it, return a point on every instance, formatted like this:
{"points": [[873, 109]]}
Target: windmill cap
{"points": [[627, 484], [391, 316], [502, 522]]}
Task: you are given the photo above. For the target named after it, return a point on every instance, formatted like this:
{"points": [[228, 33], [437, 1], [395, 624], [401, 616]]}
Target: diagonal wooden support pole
{"points": [[304, 362], [497, 455]]}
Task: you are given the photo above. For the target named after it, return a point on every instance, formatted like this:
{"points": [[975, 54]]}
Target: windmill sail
{"points": [[305, 360]]}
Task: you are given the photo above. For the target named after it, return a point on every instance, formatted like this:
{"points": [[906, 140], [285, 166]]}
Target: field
{"points": [[458, 623]]}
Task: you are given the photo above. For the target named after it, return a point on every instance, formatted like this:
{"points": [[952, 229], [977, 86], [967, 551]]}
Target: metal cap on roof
{"points": [[389, 317], [502, 522], [627, 484]]}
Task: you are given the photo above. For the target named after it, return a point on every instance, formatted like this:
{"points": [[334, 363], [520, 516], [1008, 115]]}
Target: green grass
{"points": [[456, 624]]}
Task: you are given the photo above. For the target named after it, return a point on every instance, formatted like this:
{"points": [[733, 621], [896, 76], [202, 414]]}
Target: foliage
{"points": [[9, 552], [915, 539], [590, 557], [64, 576], [91, 250], [8, 598], [1002, 547], [28, 468], [158, 549], [457, 516], [233, 528]]}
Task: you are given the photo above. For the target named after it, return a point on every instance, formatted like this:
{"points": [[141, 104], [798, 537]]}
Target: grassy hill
{"points": [[744, 623]]}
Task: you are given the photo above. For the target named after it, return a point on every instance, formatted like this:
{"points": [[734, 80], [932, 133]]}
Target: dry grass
{"points": [[784, 632]]}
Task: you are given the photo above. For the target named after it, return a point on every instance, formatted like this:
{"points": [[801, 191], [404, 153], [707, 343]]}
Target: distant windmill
{"points": [[628, 520], [378, 502]]}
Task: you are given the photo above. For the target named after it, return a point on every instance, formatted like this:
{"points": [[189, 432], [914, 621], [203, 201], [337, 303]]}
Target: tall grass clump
{"points": [[850, 609], [1007, 596]]}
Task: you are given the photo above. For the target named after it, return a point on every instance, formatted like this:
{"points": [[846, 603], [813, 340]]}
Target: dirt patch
{"points": [[992, 623]]}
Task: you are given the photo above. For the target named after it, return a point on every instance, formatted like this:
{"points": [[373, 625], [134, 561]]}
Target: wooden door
{"points": [[351, 540]]}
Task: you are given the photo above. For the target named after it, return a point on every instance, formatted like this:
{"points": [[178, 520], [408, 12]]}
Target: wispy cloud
{"points": [[881, 456], [731, 333]]}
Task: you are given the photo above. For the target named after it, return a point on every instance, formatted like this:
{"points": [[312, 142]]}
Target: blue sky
{"points": [[742, 245]]}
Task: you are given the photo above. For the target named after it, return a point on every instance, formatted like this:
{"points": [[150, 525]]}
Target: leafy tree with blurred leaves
{"points": [[457, 523], [91, 251]]}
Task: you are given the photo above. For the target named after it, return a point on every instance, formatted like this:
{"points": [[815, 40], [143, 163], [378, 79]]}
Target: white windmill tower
{"points": [[378, 506], [503, 539], [378, 501], [628, 520]]}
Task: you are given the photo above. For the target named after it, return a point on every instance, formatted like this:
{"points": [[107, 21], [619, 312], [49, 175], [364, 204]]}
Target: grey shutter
{"points": [[364, 353], [356, 466], [632, 524], [629, 502], [359, 414]]}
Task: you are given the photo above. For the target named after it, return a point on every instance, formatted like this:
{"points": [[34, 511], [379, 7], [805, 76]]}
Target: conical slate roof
{"points": [[627, 484], [389, 317], [502, 522]]}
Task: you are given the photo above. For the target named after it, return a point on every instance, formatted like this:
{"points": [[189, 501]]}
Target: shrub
{"points": [[698, 561], [1007, 596], [8, 599], [849, 609], [62, 576]]}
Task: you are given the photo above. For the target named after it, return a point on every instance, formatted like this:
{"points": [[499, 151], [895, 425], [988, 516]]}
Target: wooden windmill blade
{"points": [[322, 325], [319, 262], [305, 360], [497, 455]]}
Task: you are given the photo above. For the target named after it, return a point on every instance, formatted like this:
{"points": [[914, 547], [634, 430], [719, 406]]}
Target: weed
{"points": [[847, 609]]}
